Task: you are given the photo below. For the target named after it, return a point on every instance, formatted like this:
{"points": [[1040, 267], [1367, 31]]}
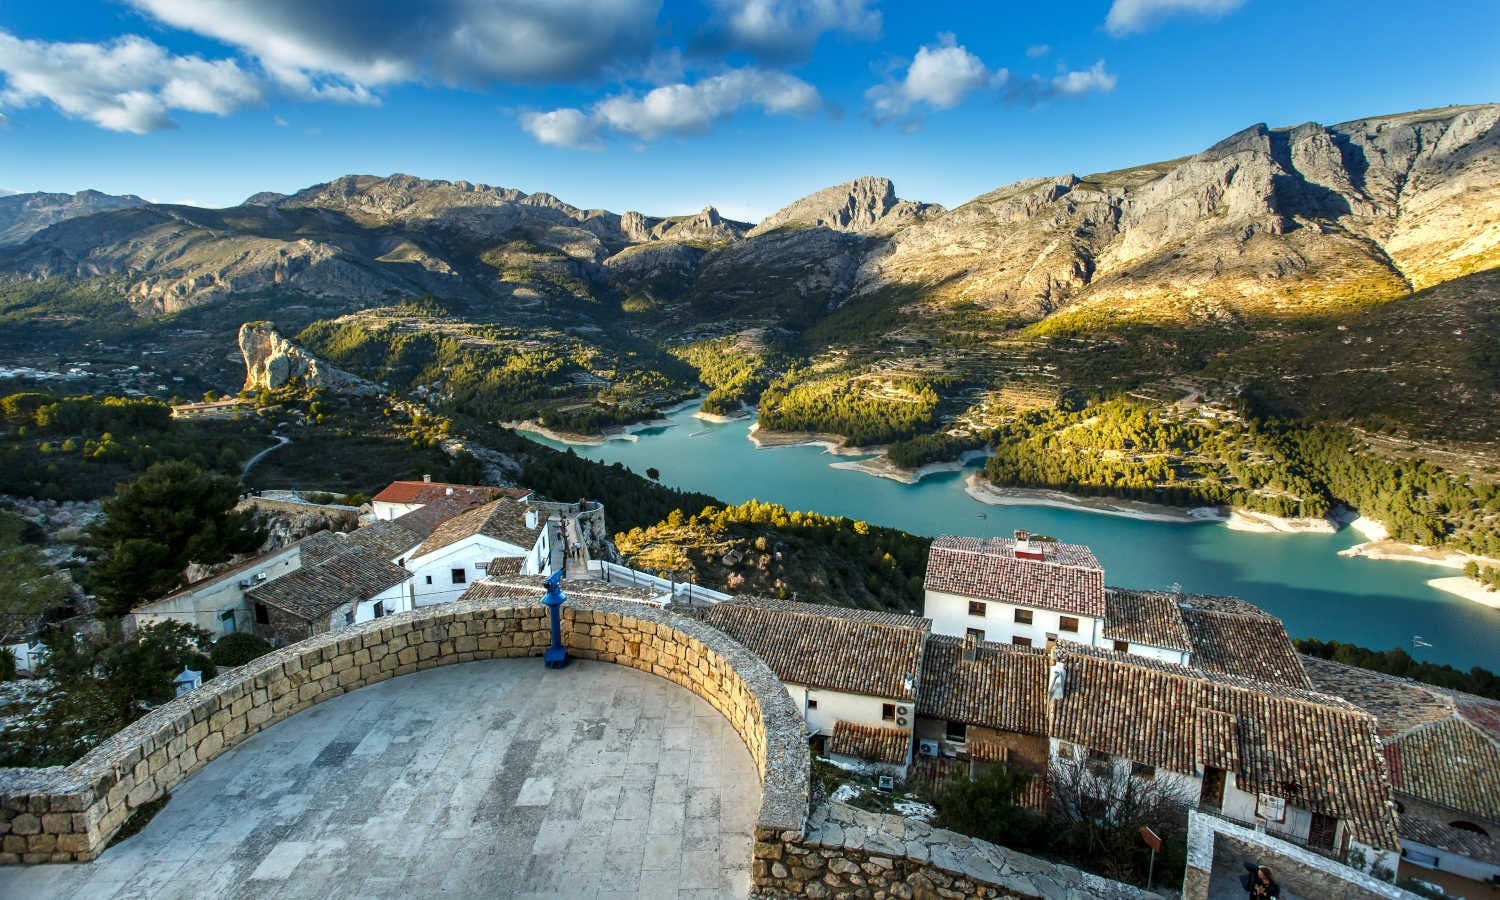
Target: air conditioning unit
{"points": [[901, 720], [885, 784], [901, 711], [927, 748], [260, 576], [245, 582]]}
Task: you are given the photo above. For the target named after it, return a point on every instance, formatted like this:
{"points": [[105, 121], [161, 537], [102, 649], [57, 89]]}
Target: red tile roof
{"points": [[429, 491], [886, 745], [1067, 579], [1003, 687], [1452, 763], [503, 520]]}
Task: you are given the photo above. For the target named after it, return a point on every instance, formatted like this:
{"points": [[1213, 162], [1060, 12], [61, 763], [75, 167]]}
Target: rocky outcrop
{"points": [[271, 361], [705, 227], [22, 215], [863, 206]]}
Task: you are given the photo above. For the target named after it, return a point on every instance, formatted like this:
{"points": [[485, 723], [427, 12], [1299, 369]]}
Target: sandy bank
{"points": [[718, 419], [881, 467], [1467, 588], [833, 443], [1264, 523], [985, 492], [627, 433]]}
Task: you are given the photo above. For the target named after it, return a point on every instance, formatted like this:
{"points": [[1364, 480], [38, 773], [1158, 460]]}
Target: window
{"points": [[957, 732], [349, 617], [811, 703], [460, 576], [977, 608], [262, 615], [1067, 623], [1021, 641], [1100, 763], [1023, 617], [975, 633], [380, 609], [1143, 771], [1122, 646], [429, 579], [888, 712]]}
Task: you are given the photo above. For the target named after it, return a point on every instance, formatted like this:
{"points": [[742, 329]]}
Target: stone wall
{"points": [[66, 814], [1217, 851], [848, 852]]}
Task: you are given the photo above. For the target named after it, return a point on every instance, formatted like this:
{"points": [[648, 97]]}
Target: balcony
{"points": [[1292, 839]]}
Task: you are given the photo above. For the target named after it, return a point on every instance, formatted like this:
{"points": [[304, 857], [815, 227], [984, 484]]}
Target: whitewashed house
{"points": [[853, 673], [355, 583], [1020, 591], [401, 497], [460, 550], [218, 604]]}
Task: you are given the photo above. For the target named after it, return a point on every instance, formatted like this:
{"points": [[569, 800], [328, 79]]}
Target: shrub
{"points": [[238, 648]]}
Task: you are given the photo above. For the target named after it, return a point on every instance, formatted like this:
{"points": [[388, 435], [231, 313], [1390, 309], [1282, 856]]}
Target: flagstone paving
{"points": [[487, 779]]}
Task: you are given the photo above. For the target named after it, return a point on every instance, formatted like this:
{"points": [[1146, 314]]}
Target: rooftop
{"points": [[531, 587], [386, 540], [1398, 705], [1002, 687], [431, 491], [885, 745], [855, 651], [1145, 617], [314, 591], [503, 520], [1319, 752], [1239, 639], [1042, 574], [1449, 762]]}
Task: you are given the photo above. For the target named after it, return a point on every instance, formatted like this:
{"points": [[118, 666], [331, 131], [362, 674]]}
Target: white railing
{"points": [[613, 573]]}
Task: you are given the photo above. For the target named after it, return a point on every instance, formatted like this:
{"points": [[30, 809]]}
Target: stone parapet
{"points": [[848, 852], [68, 814]]}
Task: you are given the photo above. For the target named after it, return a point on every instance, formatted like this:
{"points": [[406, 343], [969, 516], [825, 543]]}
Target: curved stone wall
{"points": [[66, 814]]}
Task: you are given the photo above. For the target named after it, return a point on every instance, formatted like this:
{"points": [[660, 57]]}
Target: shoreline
{"points": [[1467, 588], [621, 433], [1264, 523], [986, 493], [881, 467], [835, 444]]}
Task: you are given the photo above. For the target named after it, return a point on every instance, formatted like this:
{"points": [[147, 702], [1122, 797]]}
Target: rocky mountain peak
{"points": [[866, 205], [271, 361]]}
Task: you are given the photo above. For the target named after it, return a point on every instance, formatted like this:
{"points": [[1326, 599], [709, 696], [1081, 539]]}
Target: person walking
{"points": [[1259, 883]]}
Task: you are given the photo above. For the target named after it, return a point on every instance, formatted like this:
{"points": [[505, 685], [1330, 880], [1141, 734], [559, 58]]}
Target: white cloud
{"points": [[278, 121], [1091, 80], [1038, 50], [1128, 16], [677, 109], [563, 128], [788, 29], [129, 84], [340, 49], [939, 77]]}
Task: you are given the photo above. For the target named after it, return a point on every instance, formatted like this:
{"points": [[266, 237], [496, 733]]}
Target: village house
{"points": [[401, 497], [982, 703], [853, 673], [353, 584], [1301, 766], [218, 604], [1022, 591], [461, 549], [1442, 751]]}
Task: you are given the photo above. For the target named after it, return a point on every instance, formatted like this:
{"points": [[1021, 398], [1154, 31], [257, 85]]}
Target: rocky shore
{"points": [[985, 492]]}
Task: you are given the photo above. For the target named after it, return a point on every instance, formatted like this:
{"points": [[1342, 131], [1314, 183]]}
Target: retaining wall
{"points": [[68, 814]]}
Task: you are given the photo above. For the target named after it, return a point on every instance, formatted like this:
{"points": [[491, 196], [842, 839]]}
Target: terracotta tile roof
{"points": [[1484, 848], [1232, 637], [504, 565], [503, 520], [314, 591], [1398, 705], [856, 651], [886, 745], [430, 491], [1319, 752], [1145, 617], [425, 519], [1451, 763], [1214, 741], [388, 540], [1069, 580], [1004, 687]]}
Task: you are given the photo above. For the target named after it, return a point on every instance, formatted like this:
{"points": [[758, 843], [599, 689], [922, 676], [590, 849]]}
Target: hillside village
{"points": [[1023, 658]]}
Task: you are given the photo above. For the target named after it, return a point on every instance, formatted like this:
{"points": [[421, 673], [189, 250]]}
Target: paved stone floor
{"points": [[487, 779]]}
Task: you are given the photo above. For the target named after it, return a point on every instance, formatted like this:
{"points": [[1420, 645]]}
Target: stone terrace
{"points": [[490, 778]]}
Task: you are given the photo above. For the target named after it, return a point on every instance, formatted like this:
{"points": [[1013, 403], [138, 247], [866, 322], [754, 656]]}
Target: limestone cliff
{"points": [[271, 361], [863, 206]]}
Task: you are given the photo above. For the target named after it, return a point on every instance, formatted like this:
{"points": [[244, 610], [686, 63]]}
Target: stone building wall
{"points": [[66, 814], [849, 852]]}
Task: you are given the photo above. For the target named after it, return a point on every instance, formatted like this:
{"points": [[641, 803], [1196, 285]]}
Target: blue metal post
{"points": [[555, 657]]}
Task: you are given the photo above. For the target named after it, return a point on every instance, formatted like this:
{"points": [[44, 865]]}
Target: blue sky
{"points": [[668, 106]]}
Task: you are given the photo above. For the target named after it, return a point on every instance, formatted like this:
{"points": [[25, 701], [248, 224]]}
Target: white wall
{"points": [[950, 615], [1162, 653], [836, 706], [1448, 861], [202, 604], [468, 554], [1241, 805], [394, 598], [386, 510]]}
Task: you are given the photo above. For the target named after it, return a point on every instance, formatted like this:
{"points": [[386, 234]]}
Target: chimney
{"points": [[1023, 540], [970, 649], [427, 479], [531, 518], [449, 492], [1057, 680]]}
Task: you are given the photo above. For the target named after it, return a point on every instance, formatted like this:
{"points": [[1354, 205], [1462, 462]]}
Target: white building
{"points": [[853, 673], [460, 550], [218, 604], [401, 497], [1020, 591]]}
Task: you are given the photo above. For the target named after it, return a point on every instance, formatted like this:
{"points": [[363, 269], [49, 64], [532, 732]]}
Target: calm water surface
{"points": [[1300, 578]]}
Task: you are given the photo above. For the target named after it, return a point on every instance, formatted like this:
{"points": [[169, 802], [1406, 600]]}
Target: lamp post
{"points": [[555, 657]]}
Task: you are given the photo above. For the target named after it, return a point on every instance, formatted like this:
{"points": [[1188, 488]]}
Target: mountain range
{"points": [[1168, 277]]}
